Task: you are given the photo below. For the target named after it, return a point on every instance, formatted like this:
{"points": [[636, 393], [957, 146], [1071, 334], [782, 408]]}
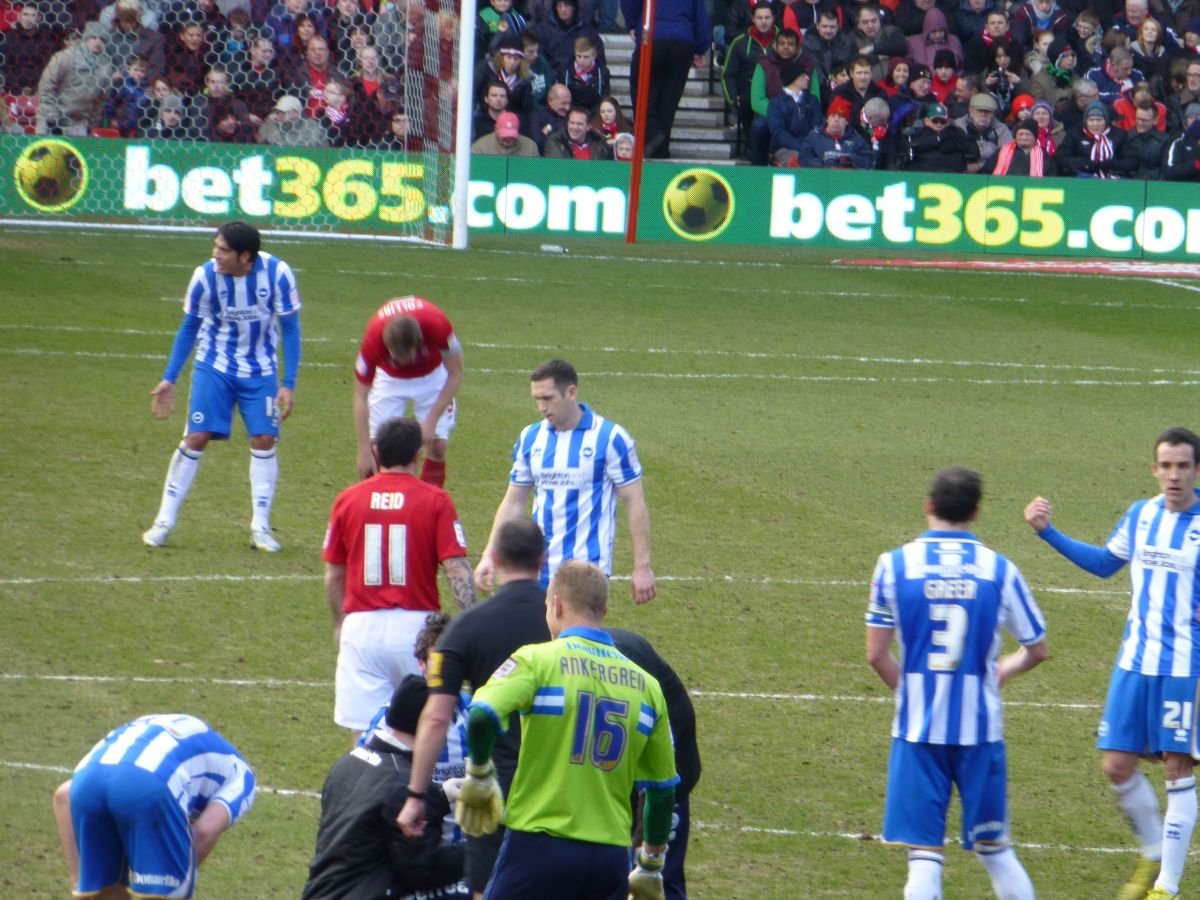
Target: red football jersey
{"points": [[437, 337], [391, 532]]}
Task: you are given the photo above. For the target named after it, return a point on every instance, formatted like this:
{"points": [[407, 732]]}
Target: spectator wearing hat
{"points": [[741, 60], [169, 124], [970, 20], [836, 145], [576, 140], [910, 14], [918, 95], [792, 113], [938, 146], [878, 41], [978, 49], [1022, 155], [286, 127], [1053, 82], [945, 75], [623, 146], [1021, 109], [505, 140], [1190, 43], [859, 89], [360, 849], [896, 79], [935, 35], [982, 128], [507, 65], [1050, 131], [1097, 150], [764, 85], [74, 84], [1147, 142]]}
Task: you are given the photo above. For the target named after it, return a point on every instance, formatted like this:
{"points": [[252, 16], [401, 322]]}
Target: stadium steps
{"points": [[700, 133]]}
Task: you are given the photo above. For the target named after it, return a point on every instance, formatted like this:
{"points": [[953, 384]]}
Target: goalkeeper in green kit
{"points": [[593, 727]]}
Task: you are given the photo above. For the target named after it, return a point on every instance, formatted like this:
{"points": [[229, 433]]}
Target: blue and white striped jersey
{"points": [[1162, 634], [452, 763], [948, 596], [575, 475], [239, 330], [197, 764]]}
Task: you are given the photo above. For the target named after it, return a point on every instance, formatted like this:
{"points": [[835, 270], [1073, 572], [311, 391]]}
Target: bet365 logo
{"points": [[51, 175], [698, 204]]}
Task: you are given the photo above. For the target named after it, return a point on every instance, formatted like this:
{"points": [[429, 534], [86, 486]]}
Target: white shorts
{"points": [[389, 397], [375, 654]]}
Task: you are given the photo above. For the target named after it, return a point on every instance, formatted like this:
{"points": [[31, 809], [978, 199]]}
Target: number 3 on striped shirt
{"points": [[951, 638], [599, 731]]}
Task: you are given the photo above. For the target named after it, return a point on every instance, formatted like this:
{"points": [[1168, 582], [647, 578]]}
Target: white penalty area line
{"points": [[863, 837], [705, 376], [765, 580], [276, 683]]}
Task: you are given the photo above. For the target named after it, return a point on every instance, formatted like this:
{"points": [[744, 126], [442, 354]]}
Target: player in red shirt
{"points": [[387, 536], [409, 353]]}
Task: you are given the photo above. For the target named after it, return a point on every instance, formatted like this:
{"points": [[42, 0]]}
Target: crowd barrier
{"points": [[381, 193]]}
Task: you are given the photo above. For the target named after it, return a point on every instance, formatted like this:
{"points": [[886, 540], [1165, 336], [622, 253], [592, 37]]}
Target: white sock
{"points": [[1177, 831], [264, 473], [185, 463], [1010, 881], [924, 875], [1139, 805]]}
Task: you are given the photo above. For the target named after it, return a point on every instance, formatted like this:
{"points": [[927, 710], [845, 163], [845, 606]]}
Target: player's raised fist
{"points": [[1037, 514]]}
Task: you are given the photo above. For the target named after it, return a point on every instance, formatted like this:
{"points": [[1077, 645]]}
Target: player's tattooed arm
{"points": [[462, 580]]}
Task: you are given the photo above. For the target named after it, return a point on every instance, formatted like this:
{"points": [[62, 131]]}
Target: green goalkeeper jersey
{"points": [[593, 725]]}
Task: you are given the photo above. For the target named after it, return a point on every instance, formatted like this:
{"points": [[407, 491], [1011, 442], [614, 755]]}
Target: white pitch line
{"points": [[711, 376], [677, 579], [702, 826], [139, 332], [275, 683]]}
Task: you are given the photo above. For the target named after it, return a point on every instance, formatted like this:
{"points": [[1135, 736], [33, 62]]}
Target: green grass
{"points": [[789, 414]]}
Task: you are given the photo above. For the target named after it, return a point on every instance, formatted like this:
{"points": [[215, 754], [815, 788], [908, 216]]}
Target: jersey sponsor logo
{"points": [[506, 668], [562, 478], [1171, 560], [240, 314]]}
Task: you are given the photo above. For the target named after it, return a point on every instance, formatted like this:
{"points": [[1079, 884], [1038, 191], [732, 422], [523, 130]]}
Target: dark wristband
{"points": [[416, 795]]}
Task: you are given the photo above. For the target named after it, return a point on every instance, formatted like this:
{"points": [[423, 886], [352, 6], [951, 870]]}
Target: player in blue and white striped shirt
{"points": [[1151, 701], [235, 308], [578, 464], [147, 805], [946, 598]]}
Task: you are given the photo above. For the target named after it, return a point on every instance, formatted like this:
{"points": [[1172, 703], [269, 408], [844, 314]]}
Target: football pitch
{"points": [[789, 414]]}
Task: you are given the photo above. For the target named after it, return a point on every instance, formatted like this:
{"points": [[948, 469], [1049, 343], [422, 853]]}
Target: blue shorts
{"points": [[540, 865], [130, 830], [1149, 714], [212, 398], [920, 778]]}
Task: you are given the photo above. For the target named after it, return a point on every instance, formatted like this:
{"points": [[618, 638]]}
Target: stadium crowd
{"points": [[1088, 88]]}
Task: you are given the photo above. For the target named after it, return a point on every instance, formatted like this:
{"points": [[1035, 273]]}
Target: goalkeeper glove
{"points": [[646, 879], [479, 803]]}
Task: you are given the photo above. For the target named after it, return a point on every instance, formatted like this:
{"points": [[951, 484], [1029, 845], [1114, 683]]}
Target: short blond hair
{"points": [[582, 587]]}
